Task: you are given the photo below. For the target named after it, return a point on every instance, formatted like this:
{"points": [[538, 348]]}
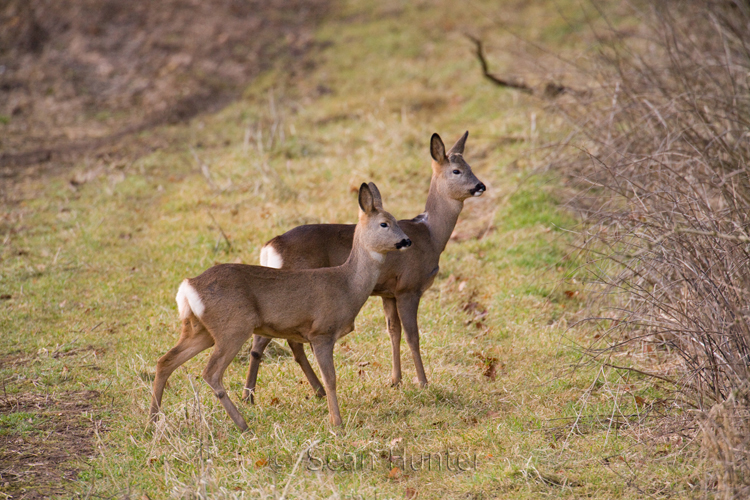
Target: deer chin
{"points": [[377, 256]]}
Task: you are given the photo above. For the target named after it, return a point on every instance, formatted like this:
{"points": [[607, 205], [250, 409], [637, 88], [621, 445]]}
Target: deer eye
{"points": [[456, 172], [383, 224]]}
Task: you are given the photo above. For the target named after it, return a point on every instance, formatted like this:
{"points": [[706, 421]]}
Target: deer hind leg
{"points": [[226, 349], [323, 350], [193, 339], [299, 356], [393, 323], [256, 355], [408, 306]]}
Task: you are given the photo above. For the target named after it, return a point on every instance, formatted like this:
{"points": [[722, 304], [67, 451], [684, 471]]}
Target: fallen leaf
{"points": [[410, 493], [261, 463], [395, 473], [470, 306], [274, 401]]}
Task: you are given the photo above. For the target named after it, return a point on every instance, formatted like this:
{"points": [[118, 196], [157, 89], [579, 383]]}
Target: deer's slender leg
{"points": [[259, 346], [323, 349], [393, 323], [408, 306], [193, 339], [224, 352], [299, 356], [256, 354]]}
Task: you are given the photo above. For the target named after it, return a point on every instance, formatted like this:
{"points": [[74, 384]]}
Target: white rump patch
{"points": [[269, 257], [189, 301]]}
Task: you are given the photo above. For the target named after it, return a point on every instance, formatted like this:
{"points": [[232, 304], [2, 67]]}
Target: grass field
{"points": [[89, 271]]}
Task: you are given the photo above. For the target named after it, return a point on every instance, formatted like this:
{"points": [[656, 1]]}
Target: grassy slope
{"points": [[99, 265]]}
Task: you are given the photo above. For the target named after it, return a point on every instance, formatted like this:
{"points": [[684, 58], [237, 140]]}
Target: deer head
{"points": [[451, 173]]}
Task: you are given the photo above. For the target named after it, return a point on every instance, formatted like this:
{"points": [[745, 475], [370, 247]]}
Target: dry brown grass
{"points": [[665, 191]]}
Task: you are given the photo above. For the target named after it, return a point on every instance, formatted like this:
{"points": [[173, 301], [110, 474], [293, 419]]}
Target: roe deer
{"points": [[229, 302], [405, 276]]}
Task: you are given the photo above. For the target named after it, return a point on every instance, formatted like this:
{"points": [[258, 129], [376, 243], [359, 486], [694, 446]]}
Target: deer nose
{"points": [[478, 189], [406, 242]]}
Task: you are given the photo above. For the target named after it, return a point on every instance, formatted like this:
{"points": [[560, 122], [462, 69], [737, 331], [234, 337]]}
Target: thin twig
{"points": [[494, 79], [715, 234], [226, 238], [641, 372]]}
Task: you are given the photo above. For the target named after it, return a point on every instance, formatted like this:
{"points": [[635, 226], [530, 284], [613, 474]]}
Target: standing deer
{"points": [[228, 303], [405, 276]]}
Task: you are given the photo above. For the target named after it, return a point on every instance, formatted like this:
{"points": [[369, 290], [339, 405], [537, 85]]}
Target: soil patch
{"points": [[80, 76], [44, 442]]}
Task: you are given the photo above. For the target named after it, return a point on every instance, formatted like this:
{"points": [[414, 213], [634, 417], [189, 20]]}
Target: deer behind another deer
{"points": [[405, 276]]}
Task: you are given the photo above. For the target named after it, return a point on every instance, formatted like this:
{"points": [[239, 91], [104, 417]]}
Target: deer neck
{"points": [[362, 270], [442, 215]]}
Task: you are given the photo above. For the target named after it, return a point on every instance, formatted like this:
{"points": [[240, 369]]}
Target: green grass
{"points": [[94, 269]]}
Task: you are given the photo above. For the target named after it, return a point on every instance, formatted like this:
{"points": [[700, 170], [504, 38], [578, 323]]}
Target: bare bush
{"points": [[666, 197]]}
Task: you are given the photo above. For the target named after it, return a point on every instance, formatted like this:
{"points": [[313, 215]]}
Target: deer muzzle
{"points": [[406, 242], [478, 189]]}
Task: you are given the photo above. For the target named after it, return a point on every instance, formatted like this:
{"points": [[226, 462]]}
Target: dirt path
{"points": [[83, 76]]}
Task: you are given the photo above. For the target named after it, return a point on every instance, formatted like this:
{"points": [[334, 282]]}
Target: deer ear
{"points": [[437, 149], [366, 200], [458, 147], [377, 200]]}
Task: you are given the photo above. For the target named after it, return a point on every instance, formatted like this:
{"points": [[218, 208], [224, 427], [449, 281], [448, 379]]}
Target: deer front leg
{"points": [[256, 355], [393, 323], [323, 349], [408, 306], [299, 356]]}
